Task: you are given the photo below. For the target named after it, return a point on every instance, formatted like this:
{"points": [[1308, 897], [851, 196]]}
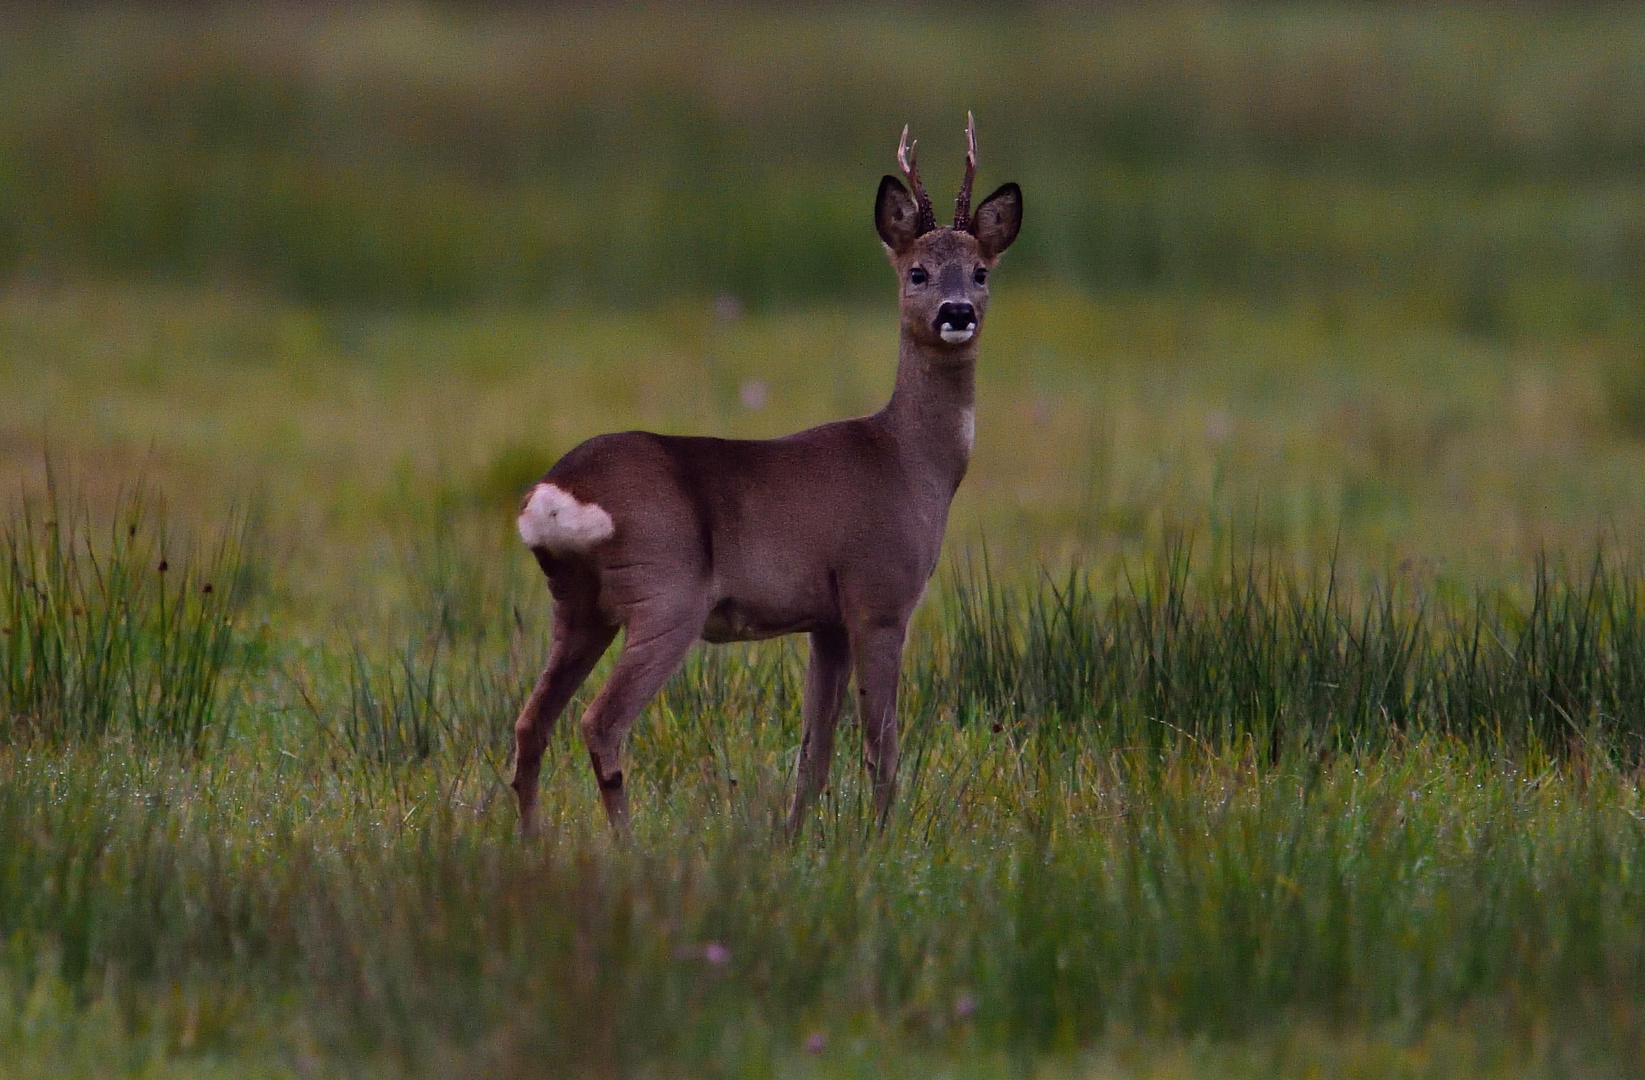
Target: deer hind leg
{"points": [[578, 646], [825, 682], [652, 651], [877, 655]]}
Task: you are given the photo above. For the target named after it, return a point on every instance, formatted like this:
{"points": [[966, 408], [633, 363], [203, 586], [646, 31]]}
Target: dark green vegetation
{"points": [[1278, 708], [127, 636]]}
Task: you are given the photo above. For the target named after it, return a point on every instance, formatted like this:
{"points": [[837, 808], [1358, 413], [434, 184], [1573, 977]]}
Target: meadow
{"points": [[1278, 708]]}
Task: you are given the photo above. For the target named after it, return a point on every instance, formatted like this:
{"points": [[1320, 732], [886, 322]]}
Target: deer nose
{"points": [[956, 322]]}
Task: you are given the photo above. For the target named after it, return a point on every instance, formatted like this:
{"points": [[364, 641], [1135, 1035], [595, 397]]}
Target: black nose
{"points": [[956, 316]]}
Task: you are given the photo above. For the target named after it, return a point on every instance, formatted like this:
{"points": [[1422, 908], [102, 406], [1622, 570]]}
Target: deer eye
{"points": [[916, 276], [980, 275]]}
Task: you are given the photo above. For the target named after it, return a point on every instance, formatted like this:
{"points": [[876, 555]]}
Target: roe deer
{"points": [[833, 531]]}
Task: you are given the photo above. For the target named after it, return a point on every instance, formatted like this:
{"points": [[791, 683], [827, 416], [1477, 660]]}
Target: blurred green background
{"points": [[1363, 279], [1479, 164]]}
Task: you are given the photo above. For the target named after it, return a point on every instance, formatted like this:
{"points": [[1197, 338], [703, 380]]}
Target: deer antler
{"points": [[927, 218], [962, 201]]}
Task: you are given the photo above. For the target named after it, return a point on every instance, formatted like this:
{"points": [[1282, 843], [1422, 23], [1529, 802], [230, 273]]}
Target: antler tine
{"points": [[907, 158], [962, 201]]}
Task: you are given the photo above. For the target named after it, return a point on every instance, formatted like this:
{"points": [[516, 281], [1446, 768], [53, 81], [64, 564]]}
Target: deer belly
{"points": [[731, 620]]}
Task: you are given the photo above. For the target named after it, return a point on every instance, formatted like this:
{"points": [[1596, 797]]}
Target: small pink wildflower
{"points": [[816, 1043], [716, 954], [965, 1006]]}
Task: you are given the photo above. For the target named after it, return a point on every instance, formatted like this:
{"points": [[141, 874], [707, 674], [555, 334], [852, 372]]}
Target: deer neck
{"points": [[932, 412]]}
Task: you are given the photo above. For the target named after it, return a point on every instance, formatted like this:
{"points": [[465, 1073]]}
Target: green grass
{"points": [[1197, 820]]}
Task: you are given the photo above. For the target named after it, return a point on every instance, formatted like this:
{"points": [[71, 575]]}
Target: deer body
{"points": [[833, 531]]}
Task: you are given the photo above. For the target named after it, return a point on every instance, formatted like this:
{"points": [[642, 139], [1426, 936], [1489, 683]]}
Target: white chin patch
{"points": [[955, 337]]}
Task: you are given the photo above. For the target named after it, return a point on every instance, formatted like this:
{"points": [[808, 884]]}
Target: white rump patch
{"points": [[554, 521], [955, 336]]}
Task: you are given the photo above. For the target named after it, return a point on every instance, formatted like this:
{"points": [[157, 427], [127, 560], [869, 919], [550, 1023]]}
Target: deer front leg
{"points": [[578, 646], [877, 655], [825, 682], [652, 651]]}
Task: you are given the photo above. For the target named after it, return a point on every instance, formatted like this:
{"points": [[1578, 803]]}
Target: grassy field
{"points": [[1278, 710]]}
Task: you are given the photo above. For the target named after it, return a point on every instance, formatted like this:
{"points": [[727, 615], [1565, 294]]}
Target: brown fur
{"points": [[833, 531]]}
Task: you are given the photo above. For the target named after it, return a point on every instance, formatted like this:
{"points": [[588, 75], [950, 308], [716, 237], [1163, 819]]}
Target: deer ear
{"points": [[997, 220], [895, 215]]}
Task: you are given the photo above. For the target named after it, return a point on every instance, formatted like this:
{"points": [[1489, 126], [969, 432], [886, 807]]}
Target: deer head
{"points": [[944, 271]]}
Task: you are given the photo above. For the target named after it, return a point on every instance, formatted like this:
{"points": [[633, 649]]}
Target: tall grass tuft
{"points": [[1269, 655], [1274, 654], [114, 630]]}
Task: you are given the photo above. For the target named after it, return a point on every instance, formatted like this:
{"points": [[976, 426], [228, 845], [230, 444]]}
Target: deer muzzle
{"points": [[956, 322]]}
